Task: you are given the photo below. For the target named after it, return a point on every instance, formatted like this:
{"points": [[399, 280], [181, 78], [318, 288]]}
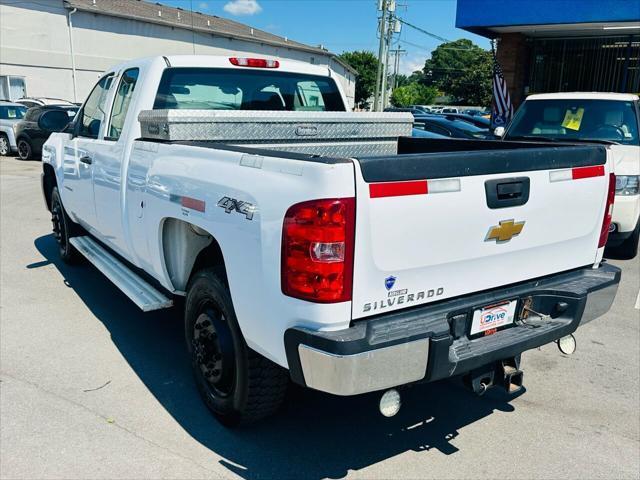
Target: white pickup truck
{"points": [[610, 118], [312, 246]]}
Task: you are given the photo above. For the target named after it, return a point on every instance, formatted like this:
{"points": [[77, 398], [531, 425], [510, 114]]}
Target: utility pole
{"points": [[396, 65], [382, 30], [393, 27]]}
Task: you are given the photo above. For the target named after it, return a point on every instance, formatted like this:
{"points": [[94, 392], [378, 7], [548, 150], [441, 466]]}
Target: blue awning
{"points": [[479, 16]]}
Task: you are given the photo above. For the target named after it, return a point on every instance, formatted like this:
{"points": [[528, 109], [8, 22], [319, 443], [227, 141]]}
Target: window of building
{"points": [[609, 64]]}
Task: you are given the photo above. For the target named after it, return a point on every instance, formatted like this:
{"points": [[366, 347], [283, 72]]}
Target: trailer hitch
{"points": [[505, 373]]}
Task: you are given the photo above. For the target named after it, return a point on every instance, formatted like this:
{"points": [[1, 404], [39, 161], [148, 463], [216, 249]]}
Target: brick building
{"points": [[560, 45]]}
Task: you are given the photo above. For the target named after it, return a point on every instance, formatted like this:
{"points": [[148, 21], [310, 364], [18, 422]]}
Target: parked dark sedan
{"points": [[476, 120], [451, 128], [413, 111], [38, 124]]}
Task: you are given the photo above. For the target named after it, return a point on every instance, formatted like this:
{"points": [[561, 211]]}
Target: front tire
{"points": [[237, 384], [63, 229], [25, 152], [5, 148]]}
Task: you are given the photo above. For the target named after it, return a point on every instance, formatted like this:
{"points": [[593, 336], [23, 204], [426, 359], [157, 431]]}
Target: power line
{"points": [[422, 30]]}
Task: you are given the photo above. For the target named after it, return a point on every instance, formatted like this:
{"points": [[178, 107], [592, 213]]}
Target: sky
{"points": [[342, 25]]}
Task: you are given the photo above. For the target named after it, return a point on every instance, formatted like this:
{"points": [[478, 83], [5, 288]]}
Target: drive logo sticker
{"points": [[495, 317]]}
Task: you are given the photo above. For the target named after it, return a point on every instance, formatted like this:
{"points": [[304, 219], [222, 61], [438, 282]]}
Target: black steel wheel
{"points": [[237, 384], [63, 229], [213, 348], [24, 149]]}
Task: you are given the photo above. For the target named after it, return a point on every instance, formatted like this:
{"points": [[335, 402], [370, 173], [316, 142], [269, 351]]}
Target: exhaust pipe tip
{"points": [[390, 403]]}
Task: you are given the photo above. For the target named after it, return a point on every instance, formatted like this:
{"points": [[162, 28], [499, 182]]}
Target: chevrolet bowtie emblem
{"points": [[505, 231]]}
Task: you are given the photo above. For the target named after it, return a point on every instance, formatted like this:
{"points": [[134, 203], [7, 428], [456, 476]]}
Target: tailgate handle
{"points": [[507, 192]]}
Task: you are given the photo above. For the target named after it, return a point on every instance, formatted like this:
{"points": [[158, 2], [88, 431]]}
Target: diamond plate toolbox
{"points": [[320, 133]]}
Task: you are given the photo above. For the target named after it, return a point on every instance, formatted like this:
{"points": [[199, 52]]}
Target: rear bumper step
{"points": [[432, 342]]}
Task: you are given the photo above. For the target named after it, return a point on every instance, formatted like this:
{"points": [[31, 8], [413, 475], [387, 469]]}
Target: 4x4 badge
{"points": [[505, 231]]}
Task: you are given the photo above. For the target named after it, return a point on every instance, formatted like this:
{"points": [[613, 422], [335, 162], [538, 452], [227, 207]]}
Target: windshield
{"points": [[237, 89], [579, 119], [12, 112]]}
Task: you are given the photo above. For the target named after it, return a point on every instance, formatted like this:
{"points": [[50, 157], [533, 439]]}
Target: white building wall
{"points": [[34, 43]]}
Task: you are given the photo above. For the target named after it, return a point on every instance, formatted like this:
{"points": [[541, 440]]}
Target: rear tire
{"points": [[237, 384], [629, 248], [63, 229], [5, 148], [25, 152]]}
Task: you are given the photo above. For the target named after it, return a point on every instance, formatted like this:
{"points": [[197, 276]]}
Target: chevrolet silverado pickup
{"points": [[320, 246]]}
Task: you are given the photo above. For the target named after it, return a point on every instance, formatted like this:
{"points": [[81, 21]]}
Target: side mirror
{"points": [[499, 132]]}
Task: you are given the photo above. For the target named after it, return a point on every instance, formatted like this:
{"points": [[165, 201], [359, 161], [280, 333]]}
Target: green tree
{"points": [[461, 70], [413, 94], [400, 80], [366, 64]]}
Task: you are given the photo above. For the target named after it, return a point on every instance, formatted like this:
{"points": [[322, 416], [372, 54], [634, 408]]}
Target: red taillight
{"points": [[606, 221], [254, 62], [317, 250]]}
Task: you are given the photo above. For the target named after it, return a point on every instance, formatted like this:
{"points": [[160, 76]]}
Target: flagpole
{"points": [[493, 79]]}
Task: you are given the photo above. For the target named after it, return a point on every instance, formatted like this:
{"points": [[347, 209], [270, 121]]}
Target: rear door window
{"points": [[10, 112], [121, 102], [54, 120], [237, 89], [430, 127]]}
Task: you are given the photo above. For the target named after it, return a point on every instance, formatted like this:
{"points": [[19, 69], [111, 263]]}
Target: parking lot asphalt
{"points": [[91, 387]]}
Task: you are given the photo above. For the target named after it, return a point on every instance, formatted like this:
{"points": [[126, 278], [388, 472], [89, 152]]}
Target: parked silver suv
{"points": [[10, 114]]}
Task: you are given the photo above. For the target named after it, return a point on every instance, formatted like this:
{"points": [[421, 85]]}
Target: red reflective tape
{"points": [[587, 172], [398, 189], [192, 203]]}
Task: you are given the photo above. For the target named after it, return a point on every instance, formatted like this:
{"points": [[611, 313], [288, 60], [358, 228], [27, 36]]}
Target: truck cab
{"points": [[610, 118]]}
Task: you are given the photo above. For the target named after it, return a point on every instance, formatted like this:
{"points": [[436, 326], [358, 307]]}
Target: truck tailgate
{"points": [[431, 226]]}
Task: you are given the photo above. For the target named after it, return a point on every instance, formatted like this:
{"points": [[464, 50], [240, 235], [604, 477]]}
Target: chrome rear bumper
{"points": [[432, 342], [365, 371]]}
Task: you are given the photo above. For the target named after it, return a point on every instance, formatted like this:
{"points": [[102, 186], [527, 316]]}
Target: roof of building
{"points": [[145, 11], [624, 97]]}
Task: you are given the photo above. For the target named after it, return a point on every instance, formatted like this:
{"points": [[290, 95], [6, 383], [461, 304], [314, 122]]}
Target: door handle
{"points": [[86, 160]]}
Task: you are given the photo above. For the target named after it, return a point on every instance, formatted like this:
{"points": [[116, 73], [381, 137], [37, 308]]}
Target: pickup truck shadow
{"points": [[314, 436]]}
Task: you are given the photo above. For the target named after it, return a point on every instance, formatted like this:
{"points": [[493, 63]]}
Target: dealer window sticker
{"points": [[573, 120], [11, 113]]}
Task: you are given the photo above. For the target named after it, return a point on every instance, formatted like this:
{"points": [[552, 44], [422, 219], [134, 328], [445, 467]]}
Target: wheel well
{"points": [[187, 249], [48, 182]]}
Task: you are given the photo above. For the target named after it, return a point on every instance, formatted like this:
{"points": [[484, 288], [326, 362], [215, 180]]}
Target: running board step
{"points": [[132, 285]]}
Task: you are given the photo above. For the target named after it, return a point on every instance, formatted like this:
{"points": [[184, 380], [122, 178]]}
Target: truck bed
{"points": [[425, 215]]}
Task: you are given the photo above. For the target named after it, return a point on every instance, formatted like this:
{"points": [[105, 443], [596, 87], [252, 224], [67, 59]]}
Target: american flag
{"points": [[502, 109]]}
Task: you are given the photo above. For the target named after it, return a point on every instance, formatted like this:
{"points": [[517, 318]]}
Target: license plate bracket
{"points": [[495, 316]]}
